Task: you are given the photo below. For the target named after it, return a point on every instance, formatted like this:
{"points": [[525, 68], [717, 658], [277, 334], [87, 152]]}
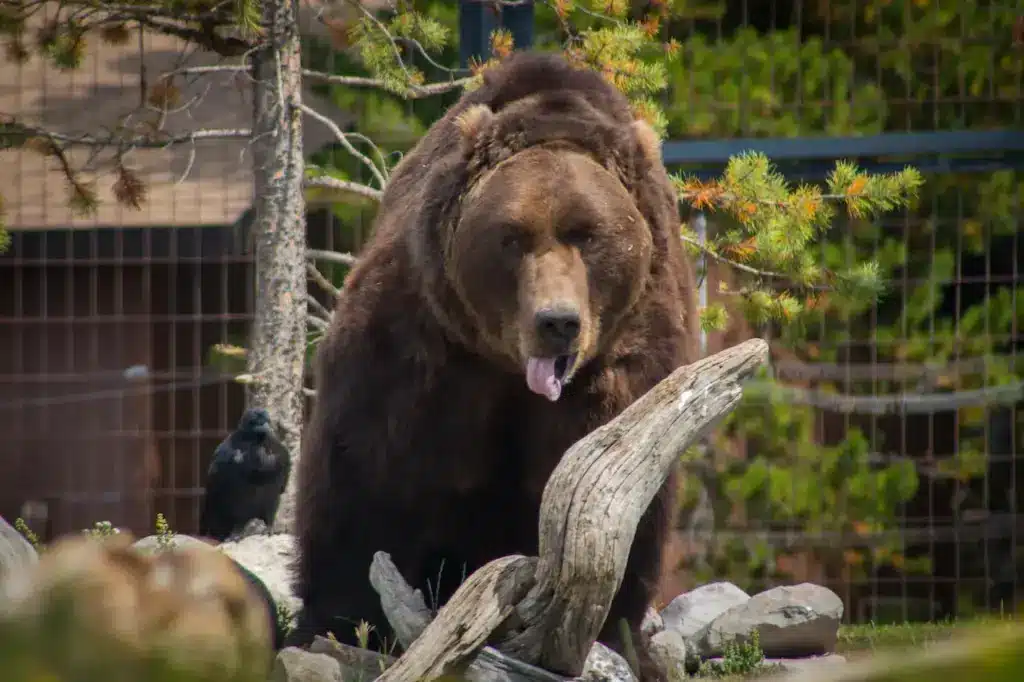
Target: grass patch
{"points": [[862, 639], [739, 661]]}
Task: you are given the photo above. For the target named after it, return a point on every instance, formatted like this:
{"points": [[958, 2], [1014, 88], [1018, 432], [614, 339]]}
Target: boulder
{"points": [[791, 621], [693, 610]]}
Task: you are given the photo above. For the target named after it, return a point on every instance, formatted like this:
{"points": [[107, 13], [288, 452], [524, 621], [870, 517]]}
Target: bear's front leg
{"points": [[334, 569]]}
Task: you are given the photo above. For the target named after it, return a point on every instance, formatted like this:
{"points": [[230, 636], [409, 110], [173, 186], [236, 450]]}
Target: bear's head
{"points": [[546, 246]]}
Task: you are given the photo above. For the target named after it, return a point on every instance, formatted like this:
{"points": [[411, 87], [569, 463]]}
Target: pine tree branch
{"points": [[11, 129], [722, 259], [160, 19], [383, 29], [327, 182], [121, 12], [412, 91], [207, 37]]}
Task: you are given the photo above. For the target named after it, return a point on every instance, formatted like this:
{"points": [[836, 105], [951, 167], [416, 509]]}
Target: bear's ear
{"points": [[650, 143], [472, 122]]}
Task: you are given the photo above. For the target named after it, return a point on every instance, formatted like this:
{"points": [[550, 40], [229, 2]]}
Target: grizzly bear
{"points": [[525, 282]]}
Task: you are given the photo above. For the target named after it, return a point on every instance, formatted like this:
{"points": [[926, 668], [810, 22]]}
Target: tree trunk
{"points": [[278, 340]]}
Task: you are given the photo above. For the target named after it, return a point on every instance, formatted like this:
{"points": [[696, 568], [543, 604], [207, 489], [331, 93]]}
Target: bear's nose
{"points": [[558, 326]]}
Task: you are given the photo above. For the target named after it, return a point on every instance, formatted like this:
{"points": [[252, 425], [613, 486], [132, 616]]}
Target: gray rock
{"points": [[652, 623], [356, 664], [16, 553], [791, 621], [693, 610], [151, 543], [270, 558], [668, 649], [295, 665], [252, 527], [604, 665]]}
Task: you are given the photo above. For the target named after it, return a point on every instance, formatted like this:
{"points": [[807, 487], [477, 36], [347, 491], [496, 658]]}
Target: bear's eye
{"points": [[512, 240], [578, 237]]}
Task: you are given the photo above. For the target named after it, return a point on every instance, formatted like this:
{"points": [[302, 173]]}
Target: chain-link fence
{"points": [[887, 464]]}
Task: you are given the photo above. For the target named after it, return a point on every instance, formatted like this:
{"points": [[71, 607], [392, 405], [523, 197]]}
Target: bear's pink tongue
{"points": [[540, 377]]}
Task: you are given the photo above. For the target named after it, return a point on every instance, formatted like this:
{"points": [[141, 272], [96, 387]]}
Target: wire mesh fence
{"points": [[886, 465], [884, 462]]}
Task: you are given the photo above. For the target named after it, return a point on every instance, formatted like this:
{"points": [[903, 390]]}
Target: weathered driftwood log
{"points": [[409, 616], [406, 610], [589, 513]]}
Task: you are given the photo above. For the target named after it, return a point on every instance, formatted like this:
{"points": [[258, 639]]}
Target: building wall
{"points": [[109, 403]]}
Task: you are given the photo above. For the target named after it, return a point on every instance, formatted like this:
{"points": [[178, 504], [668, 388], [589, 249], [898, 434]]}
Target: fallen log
{"points": [[545, 614]]}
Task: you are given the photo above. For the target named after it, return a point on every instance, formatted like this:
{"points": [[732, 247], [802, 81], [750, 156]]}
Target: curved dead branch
{"points": [[589, 514]]}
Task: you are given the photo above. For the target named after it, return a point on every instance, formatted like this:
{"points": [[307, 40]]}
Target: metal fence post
{"points": [[476, 22], [479, 18], [518, 19]]}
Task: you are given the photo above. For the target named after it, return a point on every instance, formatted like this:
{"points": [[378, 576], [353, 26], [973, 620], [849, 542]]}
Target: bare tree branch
{"points": [[317, 323], [228, 46], [327, 182], [379, 173], [331, 256], [318, 307], [324, 283], [412, 91], [11, 128]]}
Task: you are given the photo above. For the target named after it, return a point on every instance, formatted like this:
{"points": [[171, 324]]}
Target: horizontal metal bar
{"points": [[818, 169], [832, 148]]}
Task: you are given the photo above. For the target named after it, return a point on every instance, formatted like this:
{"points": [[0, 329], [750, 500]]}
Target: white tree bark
{"points": [[278, 338]]}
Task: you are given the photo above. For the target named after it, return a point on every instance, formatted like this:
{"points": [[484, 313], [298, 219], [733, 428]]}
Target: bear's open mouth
{"points": [[547, 376]]}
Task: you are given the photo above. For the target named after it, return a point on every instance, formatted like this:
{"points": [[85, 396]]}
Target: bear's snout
{"points": [[558, 327]]}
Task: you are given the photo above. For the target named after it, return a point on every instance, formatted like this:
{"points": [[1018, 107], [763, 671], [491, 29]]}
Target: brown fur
{"points": [[424, 442]]}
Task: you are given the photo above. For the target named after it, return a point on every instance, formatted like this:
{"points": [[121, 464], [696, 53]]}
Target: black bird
{"points": [[249, 471]]}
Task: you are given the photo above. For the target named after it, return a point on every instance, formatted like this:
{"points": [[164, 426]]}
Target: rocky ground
{"points": [[716, 630], [796, 626]]}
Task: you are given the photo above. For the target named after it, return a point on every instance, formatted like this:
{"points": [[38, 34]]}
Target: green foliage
{"points": [[285, 618], [744, 659], [748, 82], [164, 534], [770, 231], [890, 280], [22, 527], [102, 529]]}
